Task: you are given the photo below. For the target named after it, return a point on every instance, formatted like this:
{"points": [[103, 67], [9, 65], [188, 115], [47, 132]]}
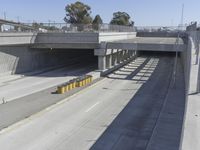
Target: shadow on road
{"points": [[153, 118]]}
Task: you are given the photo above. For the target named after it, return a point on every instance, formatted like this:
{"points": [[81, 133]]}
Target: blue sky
{"points": [[143, 12]]}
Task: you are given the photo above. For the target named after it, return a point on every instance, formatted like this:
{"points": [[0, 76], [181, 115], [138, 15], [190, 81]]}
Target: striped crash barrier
{"points": [[74, 83]]}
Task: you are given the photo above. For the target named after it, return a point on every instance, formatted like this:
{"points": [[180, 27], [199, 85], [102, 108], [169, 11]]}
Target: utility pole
{"points": [[182, 13], [4, 15]]}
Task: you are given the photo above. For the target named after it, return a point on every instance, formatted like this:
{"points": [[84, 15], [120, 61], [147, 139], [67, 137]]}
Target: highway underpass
{"points": [[145, 98], [69, 64], [136, 107]]}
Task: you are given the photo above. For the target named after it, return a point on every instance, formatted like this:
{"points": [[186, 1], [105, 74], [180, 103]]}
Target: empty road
{"points": [[20, 87], [123, 111]]}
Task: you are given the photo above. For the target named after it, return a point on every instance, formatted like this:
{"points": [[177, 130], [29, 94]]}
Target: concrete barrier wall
{"points": [[107, 37], [62, 38], [21, 59], [190, 60], [157, 34], [186, 62], [15, 38], [66, 38], [83, 37]]}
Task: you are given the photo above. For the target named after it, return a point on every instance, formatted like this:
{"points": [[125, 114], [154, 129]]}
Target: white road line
{"points": [[92, 106]]}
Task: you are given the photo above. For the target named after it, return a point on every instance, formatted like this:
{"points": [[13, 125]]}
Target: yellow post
{"points": [[74, 83], [78, 83], [87, 80], [70, 85], [66, 87], [61, 89], [81, 83]]}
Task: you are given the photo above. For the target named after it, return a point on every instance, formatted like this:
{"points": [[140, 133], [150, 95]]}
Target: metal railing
{"points": [[65, 27], [160, 28]]}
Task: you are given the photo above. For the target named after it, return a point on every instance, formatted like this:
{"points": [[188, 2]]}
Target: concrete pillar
{"points": [[101, 53], [113, 57], [129, 54], [19, 29], [1, 27], [126, 54], [118, 56], [123, 56], [102, 62], [108, 61], [114, 62]]}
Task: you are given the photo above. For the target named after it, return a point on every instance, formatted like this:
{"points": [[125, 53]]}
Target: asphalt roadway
{"points": [[16, 88], [137, 107]]}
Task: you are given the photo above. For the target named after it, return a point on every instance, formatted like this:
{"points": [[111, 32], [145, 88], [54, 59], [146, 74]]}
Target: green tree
{"points": [[78, 13], [96, 22], [121, 18]]}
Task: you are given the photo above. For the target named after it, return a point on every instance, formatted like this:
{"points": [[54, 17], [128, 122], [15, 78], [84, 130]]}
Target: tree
{"points": [[78, 13], [96, 22], [121, 18]]}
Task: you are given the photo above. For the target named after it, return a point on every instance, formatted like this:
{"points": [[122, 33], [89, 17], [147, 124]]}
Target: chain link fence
{"points": [[160, 28], [63, 27]]}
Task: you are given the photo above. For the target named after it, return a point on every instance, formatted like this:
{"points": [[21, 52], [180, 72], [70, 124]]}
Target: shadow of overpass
{"points": [[153, 118], [35, 62]]}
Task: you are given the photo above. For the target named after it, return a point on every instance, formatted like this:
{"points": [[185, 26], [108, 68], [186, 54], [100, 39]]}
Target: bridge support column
{"points": [[124, 56], [127, 55], [101, 62], [109, 61], [118, 56], [17, 28], [1, 27], [114, 58], [121, 56]]}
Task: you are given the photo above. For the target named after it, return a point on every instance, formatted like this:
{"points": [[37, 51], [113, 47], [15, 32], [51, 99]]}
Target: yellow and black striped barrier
{"points": [[74, 83]]}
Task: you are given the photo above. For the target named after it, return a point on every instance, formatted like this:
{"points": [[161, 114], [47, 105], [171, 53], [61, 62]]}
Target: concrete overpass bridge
{"points": [[105, 45]]}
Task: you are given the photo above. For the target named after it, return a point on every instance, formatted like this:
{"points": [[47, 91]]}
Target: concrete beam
{"points": [[66, 46], [147, 47]]}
